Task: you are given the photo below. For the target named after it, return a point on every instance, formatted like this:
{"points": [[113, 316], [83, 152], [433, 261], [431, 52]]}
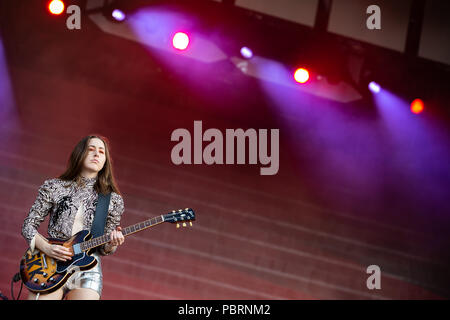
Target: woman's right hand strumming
{"points": [[54, 251], [58, 252]]}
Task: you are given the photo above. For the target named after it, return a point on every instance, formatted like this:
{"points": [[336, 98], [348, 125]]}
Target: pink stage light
{"points": [[180, 41], [56, 7]]}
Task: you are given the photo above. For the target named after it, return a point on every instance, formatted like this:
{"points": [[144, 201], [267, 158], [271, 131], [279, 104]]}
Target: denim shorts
{"points": [[88, 279]]}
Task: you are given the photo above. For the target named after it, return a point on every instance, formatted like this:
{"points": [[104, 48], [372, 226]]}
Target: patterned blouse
{"points": [[62, 199]]}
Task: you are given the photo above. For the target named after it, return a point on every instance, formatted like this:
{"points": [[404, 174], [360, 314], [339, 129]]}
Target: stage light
{"points": [[374, 87], [180, 41], [417, 106], [56, 7], [301, 75], [118, 15], [246, 52]]}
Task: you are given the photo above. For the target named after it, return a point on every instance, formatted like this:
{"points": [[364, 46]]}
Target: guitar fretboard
{"points": [[95, 242]]}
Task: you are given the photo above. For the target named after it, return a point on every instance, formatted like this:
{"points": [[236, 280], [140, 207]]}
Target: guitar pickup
{"points": [[76, 249]]}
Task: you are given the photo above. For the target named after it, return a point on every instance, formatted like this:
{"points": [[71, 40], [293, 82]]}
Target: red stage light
{"points": [[56, 7], [417, 106], [301, 75]]}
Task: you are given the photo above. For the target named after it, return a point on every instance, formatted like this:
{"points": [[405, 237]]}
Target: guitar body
{"points": [[43, 274]]}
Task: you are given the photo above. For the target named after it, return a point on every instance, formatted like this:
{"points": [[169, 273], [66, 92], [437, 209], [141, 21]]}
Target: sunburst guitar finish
{"points": [[41, 273]]}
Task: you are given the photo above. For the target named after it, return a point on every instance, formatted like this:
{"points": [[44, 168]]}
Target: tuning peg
{"points": [[173, 211], [178, 225], [184, 224], [190, 223], [179, 210]]}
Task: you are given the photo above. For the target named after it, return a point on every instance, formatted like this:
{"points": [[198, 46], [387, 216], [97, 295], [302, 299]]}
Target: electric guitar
{"points": [[43, 274]]}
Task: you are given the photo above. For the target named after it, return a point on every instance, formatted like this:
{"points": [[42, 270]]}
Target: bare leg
{"points": [[55, 295], [83, 294]]}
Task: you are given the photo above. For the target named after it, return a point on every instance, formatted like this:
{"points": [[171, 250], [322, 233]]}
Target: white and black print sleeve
{"points": [[39, 210]]}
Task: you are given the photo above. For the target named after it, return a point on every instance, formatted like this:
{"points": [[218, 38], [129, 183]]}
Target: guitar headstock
{"points": [[180, 216]]}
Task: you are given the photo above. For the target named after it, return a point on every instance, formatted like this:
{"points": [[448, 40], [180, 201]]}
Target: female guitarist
{"points": [[71, 201]]}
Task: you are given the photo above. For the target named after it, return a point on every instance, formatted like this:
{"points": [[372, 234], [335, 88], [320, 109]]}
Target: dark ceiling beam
{"points": [[415, 28], [323, 15]]}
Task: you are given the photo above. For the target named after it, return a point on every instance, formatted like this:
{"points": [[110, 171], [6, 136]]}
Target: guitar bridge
{"points": [[44, 262]]}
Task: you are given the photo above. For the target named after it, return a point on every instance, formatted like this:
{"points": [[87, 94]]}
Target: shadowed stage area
{"points": [[350, 191]]}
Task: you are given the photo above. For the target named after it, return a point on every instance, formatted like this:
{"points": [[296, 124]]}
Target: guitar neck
{"points": [[96, 242]]}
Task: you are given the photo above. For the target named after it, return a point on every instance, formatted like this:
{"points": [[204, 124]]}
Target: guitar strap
{"points": [[101, 212]]}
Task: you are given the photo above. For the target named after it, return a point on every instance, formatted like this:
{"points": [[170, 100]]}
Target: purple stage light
{"points": [[374, 87], [246, 52], [119, 15]]}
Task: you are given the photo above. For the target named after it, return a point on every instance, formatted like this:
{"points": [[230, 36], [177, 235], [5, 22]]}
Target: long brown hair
{"points": [[105, 179]]}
